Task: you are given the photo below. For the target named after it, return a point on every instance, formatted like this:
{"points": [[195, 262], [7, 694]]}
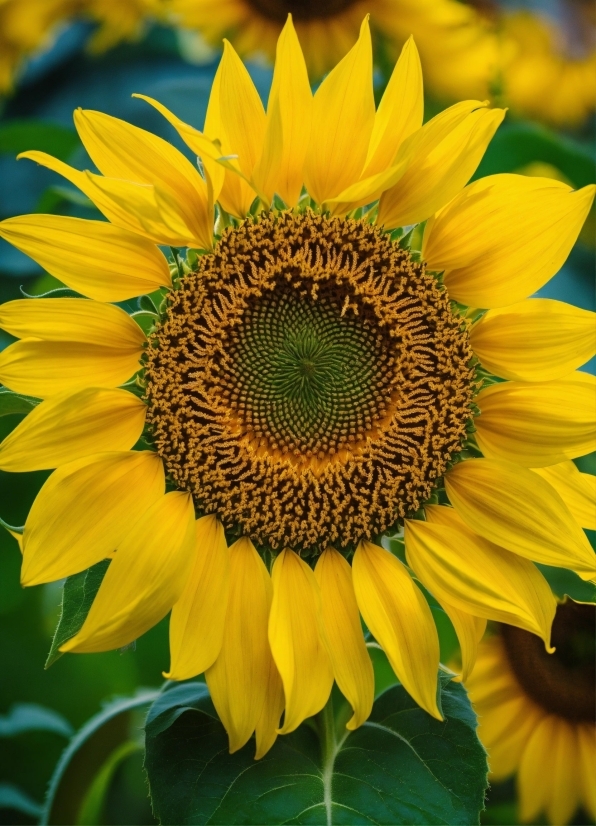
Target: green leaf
{"points": [[401, 766], [567, 583], [12, 404], [25, 717], [77, 595], [11, 797], [86, 754], [518, 144], [93, 803], [21, 135]]}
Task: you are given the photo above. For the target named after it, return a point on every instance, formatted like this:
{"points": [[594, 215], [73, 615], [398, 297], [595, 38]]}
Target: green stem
{"points": [[327, 737]]}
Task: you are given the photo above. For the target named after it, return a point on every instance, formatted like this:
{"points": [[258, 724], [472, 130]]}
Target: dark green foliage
{"points": [[402, 766]]}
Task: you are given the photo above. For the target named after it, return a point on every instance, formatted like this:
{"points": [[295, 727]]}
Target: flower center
{"points": [[310, 383], [564, 682], [301, 10]]}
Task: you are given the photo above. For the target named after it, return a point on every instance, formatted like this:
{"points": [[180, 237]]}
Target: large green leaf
{"points": [[401, 766], [77, 595]]}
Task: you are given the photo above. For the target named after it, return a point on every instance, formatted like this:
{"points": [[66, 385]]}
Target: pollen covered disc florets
{"points": [[310, 383]]}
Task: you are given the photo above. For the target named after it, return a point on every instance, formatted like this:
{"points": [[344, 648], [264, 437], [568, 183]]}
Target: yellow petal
{"points": [[517, 510], [342, 122], [197, 621], [565, 789], [535, 340], [577, 490], [443, 156], [400, 111], [538, 424], [44, 368], [125, 204], [469, 630], [476, 576], [504, 236], [290, 90], [587, 761], [71, 319], [120, 150], [241, 111], [297, 641], [144, 579], [235, 194], [85, 509], [238, 679], [535, 776], [266, 171], [93, 257], [351, 663], [71, 426], [268, 722], [399, 618]]}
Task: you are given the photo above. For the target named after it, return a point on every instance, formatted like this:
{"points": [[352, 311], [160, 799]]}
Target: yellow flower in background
{"points": [[544, 77], [119, 20], [25, 27], [309, 385], [536, 714], [449, 35]]}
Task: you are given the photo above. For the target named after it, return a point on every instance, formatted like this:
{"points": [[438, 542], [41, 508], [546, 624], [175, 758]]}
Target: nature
{"points": [[297, 412]]}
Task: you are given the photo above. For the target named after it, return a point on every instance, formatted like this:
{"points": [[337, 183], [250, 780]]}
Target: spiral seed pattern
{"points": [[310, 383]]}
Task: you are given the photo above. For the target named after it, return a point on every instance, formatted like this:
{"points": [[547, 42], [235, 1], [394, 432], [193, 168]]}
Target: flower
{"points": [[536, 713], [451, 36], [29, 25], [474, 49], [25, 26], [309, 385]]}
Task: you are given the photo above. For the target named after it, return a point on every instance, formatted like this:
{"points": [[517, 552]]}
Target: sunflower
{"points": [[548, 74], [29, 25], [451, 36], [310, 384], [537, 713], [25, 27]]}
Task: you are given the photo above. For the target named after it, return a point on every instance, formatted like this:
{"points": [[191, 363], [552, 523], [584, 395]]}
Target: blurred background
{"points": [[537, 57]]}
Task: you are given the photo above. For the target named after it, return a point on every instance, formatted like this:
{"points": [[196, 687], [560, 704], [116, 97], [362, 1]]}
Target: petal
{"points": [[342, 122], [125, 204], [504, 236], [85, 509], [93, 257], [44, 368], [290, 90], [71, 319], [268, 722], [477, 576], [238, 680], [71, 426], [120, 150], [197, 621], [565, 790], [517, 510], [400, 111], [241, 111], [587, 761], [296, 639], [399, 618], [577, 490], [469, 630], [235, 194], [144, 579], [538, 424], [443, 155], [535, 340], [351, 662], [535, 776]]}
